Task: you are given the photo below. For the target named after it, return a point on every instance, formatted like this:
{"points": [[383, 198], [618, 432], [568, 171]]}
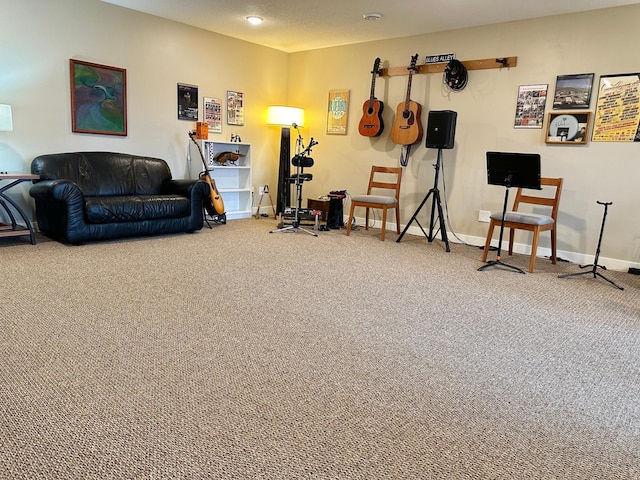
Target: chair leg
{"points": [[534, 250], [350, 219], [384, 223], [512, 234], [554, 256], [366, 218], [487, 243], [398, 220]]}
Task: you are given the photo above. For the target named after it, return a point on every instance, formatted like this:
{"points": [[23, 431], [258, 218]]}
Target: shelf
{"points": [[233, 181], [486, 63]]}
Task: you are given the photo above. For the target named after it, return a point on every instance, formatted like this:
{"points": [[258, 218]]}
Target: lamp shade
{"points": [[285, 116], [6, 122]]}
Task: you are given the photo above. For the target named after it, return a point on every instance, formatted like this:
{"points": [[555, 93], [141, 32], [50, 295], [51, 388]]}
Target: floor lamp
{"points": [[284, 117]]}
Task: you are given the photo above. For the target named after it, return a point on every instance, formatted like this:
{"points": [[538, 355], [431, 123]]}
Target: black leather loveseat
{"points": [[87, 196]]}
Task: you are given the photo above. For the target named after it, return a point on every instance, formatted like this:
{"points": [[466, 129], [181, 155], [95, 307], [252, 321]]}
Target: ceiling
{"points": [[293, 26]]}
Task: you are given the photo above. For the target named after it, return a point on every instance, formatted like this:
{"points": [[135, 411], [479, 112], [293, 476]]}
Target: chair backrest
{"points": [[553, 201], [380, 178]]}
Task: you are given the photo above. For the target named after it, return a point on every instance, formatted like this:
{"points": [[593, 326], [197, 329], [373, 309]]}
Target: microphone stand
{"points": [[300, 152]]}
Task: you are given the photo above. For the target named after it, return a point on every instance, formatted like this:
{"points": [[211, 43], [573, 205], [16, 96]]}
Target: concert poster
{"points": [[617, 116]]}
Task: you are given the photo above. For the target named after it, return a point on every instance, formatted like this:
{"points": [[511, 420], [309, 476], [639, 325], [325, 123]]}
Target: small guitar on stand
{"points": [[215, 205], [407, 126], [371, 124]]}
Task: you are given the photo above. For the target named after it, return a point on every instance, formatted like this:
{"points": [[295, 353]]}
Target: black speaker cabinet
{"points": [[441, 128]]}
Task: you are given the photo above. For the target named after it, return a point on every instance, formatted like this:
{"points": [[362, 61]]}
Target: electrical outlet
{"points": [[261, 191], [484, 216]]}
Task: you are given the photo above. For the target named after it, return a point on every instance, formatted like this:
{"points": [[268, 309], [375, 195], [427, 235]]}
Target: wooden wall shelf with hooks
{"points": [[499, 62]]}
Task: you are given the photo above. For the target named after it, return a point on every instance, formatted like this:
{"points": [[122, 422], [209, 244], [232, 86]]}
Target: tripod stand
{"points": [[594, 270], [497, 261], [300, 161], [435, 202]]}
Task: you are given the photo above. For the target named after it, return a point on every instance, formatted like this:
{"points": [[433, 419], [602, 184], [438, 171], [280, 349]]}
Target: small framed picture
{"points": [[337, 112], [213, 114], [573, 91], [235, 108], [530, 106], [568, 128], [187, 102]]}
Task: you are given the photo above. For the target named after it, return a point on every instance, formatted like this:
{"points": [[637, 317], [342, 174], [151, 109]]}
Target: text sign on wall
{"points": [[441, 58]]}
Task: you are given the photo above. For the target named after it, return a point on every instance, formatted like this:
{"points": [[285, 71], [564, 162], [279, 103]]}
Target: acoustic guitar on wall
{"points": [[371, 124], [407, 126]]}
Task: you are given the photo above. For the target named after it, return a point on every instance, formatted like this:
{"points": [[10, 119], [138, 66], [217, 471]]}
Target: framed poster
{"points": [[530, 106], [187, 102], [573, 91], [617, 117], [338, 112], [212, 108], [98, 98], [235, 108], [568, 128]]}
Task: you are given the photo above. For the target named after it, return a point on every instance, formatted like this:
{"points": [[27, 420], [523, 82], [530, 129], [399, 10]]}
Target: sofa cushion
{"points": [[134, 208]]}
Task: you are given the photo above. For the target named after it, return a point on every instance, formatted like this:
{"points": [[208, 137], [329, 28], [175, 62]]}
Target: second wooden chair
{"points": [[380, 178]]}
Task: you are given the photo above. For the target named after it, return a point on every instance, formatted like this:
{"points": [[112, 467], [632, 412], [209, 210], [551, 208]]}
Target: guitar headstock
{"points": [[376, 66], [414, 59]]}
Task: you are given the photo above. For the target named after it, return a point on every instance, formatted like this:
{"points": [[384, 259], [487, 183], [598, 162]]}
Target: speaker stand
{"points": [[594, 270], [435, 203]]}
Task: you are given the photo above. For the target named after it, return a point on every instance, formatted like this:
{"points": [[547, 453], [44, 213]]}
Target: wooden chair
{"points": [[536, 223], [378, 179]]}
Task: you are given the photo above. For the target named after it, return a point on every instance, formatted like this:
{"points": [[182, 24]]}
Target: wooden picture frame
{"points": [[573, 91], [98, 98], [568, 128]]}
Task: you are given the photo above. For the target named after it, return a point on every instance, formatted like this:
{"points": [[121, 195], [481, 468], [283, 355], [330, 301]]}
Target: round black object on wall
{"points": [[441, 128]]}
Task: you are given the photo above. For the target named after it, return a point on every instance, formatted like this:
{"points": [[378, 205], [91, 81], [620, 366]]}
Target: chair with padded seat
{"points": [[388, 178], [532, 222]]}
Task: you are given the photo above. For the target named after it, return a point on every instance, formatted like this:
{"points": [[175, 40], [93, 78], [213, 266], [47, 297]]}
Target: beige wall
{"points": [[603, 42], [39, 37]]}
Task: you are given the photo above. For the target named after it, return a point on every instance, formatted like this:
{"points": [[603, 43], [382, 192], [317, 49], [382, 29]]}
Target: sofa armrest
{"points": [[178, 187], [58, 191]]}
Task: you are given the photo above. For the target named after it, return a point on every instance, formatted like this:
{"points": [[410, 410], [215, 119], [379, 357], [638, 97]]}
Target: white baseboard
{"points": [[520, 248]]}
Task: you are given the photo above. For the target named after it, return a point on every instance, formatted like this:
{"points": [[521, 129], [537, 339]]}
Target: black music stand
{"points": [[520, 170], [594, 271], [435, 202]]}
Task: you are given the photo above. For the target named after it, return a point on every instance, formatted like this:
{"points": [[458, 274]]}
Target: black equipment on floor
{"points": [[520, 170], [300, 160], [441, 128], [594, 270], [335, 218], [435, 203]]}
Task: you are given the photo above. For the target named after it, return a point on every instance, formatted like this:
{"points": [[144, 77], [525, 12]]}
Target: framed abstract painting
{"points": [[98, 98]]}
